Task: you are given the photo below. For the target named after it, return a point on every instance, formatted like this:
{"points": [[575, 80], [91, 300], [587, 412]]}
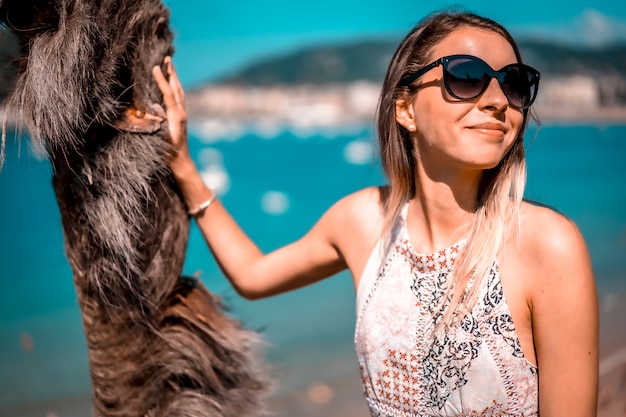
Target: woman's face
{"points": [[465, 136]]}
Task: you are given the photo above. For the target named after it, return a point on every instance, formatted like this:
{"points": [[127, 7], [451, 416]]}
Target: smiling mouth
{"points": [[494, 132], [491, 130]]}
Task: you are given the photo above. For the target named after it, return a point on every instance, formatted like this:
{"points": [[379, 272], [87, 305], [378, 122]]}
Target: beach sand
{"points": [[612, 390], [342, 396]]}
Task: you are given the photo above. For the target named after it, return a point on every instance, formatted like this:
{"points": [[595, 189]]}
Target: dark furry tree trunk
{"points": [[159, 344]]}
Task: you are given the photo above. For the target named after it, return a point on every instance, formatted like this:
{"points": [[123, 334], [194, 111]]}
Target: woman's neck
{"points": [[442, 210]]}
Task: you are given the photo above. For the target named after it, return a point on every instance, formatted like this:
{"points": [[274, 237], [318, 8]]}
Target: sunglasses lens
{"points": [[520, 86], [466, 77]]}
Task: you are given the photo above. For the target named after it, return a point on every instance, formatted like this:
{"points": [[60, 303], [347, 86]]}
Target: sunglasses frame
{"points": [[498, 75]]}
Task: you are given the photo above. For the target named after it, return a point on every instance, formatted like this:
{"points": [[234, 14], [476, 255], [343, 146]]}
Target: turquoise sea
{"points": [[276, 188]]}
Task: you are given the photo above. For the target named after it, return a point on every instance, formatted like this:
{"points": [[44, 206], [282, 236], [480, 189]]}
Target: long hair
{"points": [[501, 189]]}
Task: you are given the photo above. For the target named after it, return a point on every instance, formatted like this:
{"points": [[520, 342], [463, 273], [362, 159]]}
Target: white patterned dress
{"points": [[476, 369]]}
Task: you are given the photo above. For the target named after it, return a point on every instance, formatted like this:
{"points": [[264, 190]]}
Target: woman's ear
{"points": [[404, 114]]}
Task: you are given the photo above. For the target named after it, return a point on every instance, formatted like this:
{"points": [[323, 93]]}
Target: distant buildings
{"points": [[294, 105], [582, 97], [315, 106], [577, 92]]}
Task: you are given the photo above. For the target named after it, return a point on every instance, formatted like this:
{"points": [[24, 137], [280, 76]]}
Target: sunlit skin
{"points": [[456, 138], [545, 268]]}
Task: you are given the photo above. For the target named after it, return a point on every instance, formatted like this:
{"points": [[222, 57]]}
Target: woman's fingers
{"points": [[174, 100], [172, 90], [177, 89], [164, 86]]}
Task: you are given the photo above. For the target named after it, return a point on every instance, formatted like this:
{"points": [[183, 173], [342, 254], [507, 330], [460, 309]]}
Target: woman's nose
{"points": [[493, 97]]}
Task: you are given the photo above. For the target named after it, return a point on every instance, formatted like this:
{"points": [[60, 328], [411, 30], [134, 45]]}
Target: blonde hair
{"points": [[501, 189]]}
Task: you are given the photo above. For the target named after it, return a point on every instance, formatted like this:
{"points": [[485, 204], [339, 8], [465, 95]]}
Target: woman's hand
{"points": [[193, 189], [174, 99]]}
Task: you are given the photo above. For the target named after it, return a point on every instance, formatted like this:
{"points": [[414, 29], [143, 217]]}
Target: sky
{"points": [[215, 37]]}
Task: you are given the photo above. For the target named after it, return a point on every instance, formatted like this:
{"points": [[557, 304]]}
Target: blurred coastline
{"points": [[224, 109], [338, 85]]}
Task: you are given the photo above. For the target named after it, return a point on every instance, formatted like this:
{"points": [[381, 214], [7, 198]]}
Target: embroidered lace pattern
{"points": [[477, 368]]}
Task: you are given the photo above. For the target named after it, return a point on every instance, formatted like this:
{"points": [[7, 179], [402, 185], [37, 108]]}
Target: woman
{"points": [[470, 301]]}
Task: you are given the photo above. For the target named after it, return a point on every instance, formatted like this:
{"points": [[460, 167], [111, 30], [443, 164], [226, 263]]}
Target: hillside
{"points": [[367, 60], [559, 60], [324, 64]]}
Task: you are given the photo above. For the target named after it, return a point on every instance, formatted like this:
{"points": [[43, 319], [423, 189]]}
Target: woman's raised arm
{"points": [[252, 273]]}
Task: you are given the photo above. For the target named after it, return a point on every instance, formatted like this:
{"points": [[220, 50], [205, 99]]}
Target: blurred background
{"points": [[281, 100]]}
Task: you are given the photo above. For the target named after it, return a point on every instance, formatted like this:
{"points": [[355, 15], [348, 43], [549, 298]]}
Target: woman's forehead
{"points": [[486, 44]]}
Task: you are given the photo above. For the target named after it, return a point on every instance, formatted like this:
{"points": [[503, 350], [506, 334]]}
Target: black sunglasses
{"points": [[467, 77]]}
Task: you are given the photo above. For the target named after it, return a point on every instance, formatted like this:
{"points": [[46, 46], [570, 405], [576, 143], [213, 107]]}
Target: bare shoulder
{"points": [[366, 201], [360, 212], [555, 253], [548, 233], [354, 224]]}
